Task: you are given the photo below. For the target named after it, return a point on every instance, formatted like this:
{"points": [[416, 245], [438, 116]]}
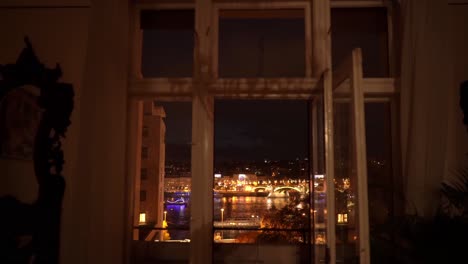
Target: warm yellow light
{"points": [[342, 218], [142, 218], [320, 239]]}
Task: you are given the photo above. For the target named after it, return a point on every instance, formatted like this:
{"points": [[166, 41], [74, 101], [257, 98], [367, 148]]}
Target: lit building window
{"points": [[142, 218], [342, 218]]}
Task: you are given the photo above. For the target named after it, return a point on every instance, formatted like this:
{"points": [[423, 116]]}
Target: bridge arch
{"points": [[284, 188]]}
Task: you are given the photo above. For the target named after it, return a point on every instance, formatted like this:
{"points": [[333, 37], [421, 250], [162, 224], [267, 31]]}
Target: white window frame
{"points": [[244, 88]]}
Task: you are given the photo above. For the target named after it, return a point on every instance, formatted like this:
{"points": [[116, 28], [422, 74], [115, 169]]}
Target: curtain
{"points": [[425, 95], [100, 197]]}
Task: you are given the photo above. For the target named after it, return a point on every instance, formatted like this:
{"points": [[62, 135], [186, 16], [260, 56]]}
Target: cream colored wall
{"points": [[102, 209], [58, 35], [95, 59]]}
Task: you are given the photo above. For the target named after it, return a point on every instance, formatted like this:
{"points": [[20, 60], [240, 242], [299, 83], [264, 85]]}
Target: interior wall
{"points": [[102, 207], [58, 35]]}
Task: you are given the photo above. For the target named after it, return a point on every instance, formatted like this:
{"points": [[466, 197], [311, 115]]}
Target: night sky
{"points": [[258, 129], [253, 130], [244, 130]]}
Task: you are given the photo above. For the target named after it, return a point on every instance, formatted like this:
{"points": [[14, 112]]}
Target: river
{"points": [[235, 207]]}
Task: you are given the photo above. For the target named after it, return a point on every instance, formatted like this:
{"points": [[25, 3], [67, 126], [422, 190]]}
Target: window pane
{"points": [[261, 181], [167, 43], [364, 28], [346, 192], [381, 184], [319, 182], [262, 43], [164, 207], [380, 181], [177, 171]]}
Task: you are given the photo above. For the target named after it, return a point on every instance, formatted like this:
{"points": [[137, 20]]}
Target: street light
{"points": [[222, 222]]}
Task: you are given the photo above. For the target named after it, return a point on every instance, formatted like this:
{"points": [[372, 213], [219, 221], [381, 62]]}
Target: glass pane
{"points": [[381, 185], [164, 208], [167, 43], [351, 202], [178, 179], [318, 186], [346, 215], [269, 43], [364, 28], [261, 192]]}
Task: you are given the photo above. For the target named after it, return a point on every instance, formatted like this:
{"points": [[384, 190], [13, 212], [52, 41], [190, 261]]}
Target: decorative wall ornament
{"points": [[35, 112]]}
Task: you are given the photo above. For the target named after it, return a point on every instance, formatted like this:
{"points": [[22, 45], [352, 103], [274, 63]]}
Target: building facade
{"points": [[152, 164]]}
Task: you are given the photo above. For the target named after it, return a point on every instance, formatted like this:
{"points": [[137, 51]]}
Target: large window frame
{"points": [[205, 86]]}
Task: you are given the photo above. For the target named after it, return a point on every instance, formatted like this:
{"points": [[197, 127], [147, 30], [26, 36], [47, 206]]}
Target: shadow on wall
{"points": [[464, 102]]}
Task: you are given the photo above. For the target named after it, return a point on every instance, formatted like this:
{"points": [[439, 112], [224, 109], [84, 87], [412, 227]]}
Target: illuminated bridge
{"points": [[277, 189], [287, 188], [238, 223]]}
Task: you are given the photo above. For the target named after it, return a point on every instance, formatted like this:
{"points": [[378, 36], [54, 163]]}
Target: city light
{"points": [[342, 218], [242, 177], [142, 218], [222, 222]]}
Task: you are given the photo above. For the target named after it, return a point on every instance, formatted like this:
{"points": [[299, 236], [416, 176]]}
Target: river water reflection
{"points": [[236, 207]]}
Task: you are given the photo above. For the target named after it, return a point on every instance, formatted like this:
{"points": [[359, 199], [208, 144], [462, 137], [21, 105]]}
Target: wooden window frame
{"points": [[188, 89]]}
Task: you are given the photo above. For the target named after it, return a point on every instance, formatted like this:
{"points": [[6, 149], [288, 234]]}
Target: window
{"points": [[167, 43], [383, 188], [252, 43], [144, 173], [364, 28], [177, 179], [165, 185], [249, 44], [261, 173], [144, 152]]}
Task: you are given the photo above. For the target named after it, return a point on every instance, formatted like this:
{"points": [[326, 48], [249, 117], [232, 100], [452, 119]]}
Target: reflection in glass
{"points": [[252, 44], [167, 43]]}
